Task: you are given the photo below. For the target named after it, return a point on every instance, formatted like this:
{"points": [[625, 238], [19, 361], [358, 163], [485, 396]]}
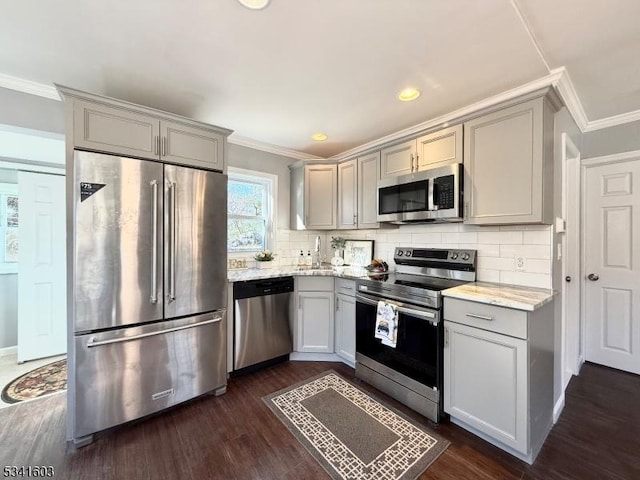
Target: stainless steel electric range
{"points": [[410, 372]]}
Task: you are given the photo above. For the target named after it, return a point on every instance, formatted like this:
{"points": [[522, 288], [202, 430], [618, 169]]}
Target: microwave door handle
{"points": [[433, 193]]}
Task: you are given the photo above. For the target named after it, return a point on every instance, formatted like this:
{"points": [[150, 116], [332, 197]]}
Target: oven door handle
{"points": [[409, 311]]}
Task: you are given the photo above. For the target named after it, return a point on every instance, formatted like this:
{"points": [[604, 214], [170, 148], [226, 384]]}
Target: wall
{"points": [[621, 138], [8, 289], [8, 310], [29, 111], [250, 159]]}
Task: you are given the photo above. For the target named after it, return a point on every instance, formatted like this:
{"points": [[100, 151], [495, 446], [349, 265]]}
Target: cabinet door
{"points": [[347, 194], [439, 148], [368, 175], [485, 383], [192, 146], [320, 196], [504, 166], [346, 328], [398, 159], [115, 130], [315, 322]]}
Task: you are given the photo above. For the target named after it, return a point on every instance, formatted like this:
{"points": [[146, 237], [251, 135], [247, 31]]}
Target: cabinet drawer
{"points": [[488, 317], [315, 284], [345, 286]]}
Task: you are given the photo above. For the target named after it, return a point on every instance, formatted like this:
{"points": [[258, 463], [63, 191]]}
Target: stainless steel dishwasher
{"points": [[262, 326]]}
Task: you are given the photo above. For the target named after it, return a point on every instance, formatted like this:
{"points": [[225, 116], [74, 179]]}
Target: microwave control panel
{"points": [[444, 192]]}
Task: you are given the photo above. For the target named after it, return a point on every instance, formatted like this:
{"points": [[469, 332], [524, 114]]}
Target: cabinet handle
{"points": [[417, 163], [337, 304], [446, 337], [164, 146], [466, 210], [156, 142], [481, 317], [412, 162]]}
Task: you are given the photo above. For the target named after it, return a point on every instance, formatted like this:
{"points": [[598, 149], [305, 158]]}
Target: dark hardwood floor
{"points": [[235, 436]]}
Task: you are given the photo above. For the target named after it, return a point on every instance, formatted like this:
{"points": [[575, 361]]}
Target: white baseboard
{"points": [[557, 408], [8, 351], [314, 357]]}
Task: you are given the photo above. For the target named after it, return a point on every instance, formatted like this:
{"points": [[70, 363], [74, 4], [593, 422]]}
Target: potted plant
{"points": [[264, 258], [338, 244]]}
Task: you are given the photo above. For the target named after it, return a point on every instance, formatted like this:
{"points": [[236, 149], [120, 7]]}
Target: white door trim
{"points": [[571, 350], [613, 158]]}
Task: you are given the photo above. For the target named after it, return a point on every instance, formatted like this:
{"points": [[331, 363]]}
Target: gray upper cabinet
{"points": [[189, 145], [348, 194], [439, 148], [428, 151], [320, 196], [397, 159], [109, 125], [509, 165], [368, 175], [115, 130], [314, 197]]}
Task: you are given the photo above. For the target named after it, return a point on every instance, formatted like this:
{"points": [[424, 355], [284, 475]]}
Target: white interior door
{"points": [[612, 265], [572, 355], [42, 318]]}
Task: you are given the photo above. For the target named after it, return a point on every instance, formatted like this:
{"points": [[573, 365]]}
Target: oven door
{"points": [[417, 352]]}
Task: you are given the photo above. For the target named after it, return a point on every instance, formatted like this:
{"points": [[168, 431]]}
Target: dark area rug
{"points": [[44, 380], [351, 434]]}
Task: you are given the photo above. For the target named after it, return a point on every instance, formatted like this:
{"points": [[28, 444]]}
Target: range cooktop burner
{"points": [[422, 274]]}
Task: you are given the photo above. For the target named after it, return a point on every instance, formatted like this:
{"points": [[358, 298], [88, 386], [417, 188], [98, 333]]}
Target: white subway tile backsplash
{"points": [[511, 237], [537, 237], [488, 275], [528, 251], [524, 278], [497, 247], [426, 238], [460, 237], [496, 263]]}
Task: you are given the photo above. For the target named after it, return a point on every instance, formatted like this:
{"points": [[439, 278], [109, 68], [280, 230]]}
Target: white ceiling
{"points": [[304, 66]]}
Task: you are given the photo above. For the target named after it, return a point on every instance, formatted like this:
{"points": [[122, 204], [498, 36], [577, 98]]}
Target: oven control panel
{"points": [[426, 256]]}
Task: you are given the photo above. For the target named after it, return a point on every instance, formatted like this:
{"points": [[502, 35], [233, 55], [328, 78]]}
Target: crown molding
{"points": [[567, 91], [457, 116], [613, 121], [27, 86], [269, 148]]}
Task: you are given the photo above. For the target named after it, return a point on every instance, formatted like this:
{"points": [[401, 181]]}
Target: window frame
{"points": [[270, 182], [7, 190]]}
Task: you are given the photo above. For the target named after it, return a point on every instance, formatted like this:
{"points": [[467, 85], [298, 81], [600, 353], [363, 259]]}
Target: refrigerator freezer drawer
{"points": [[129, 373]]}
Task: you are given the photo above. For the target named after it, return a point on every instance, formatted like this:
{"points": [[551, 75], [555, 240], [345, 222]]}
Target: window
{"points": [[250, 209], [8, 228]]}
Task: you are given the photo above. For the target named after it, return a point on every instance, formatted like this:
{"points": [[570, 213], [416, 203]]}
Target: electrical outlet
{"points": [[521, 264]]}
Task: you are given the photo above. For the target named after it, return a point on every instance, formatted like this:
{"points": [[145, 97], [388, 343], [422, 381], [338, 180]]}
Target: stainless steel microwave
{"points": [[433, 195]]}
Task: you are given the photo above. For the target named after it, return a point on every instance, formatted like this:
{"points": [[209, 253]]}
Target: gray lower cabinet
{"points": [[345, 320], [108, 125], [314, 329], [498, 373], [508, 158]]}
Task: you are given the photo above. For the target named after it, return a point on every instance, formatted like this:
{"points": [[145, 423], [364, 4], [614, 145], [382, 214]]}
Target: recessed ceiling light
{"points": [[408, 94], [254, 4], [319, 137]]}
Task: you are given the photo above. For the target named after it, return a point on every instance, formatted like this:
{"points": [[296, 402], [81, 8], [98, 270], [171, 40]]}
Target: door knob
{"points": [[593, 277], [567, 278]]}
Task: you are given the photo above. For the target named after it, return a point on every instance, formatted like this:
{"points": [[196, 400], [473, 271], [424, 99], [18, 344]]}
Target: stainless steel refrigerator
{"points": [[149, 288]]}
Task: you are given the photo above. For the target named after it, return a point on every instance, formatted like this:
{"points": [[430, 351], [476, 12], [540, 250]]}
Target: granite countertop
{"points": [[511, 296], [283, 271]]}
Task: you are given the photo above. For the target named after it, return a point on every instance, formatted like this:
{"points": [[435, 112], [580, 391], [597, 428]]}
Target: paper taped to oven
{"points": [[387, 323]]}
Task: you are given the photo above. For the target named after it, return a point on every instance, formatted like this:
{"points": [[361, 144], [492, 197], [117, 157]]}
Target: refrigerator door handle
{"points": [[174, 236], [93, 343], [154, 244]]}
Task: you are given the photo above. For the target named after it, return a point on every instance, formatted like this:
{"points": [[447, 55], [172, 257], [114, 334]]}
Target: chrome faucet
{"points": [[316, 262]]}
